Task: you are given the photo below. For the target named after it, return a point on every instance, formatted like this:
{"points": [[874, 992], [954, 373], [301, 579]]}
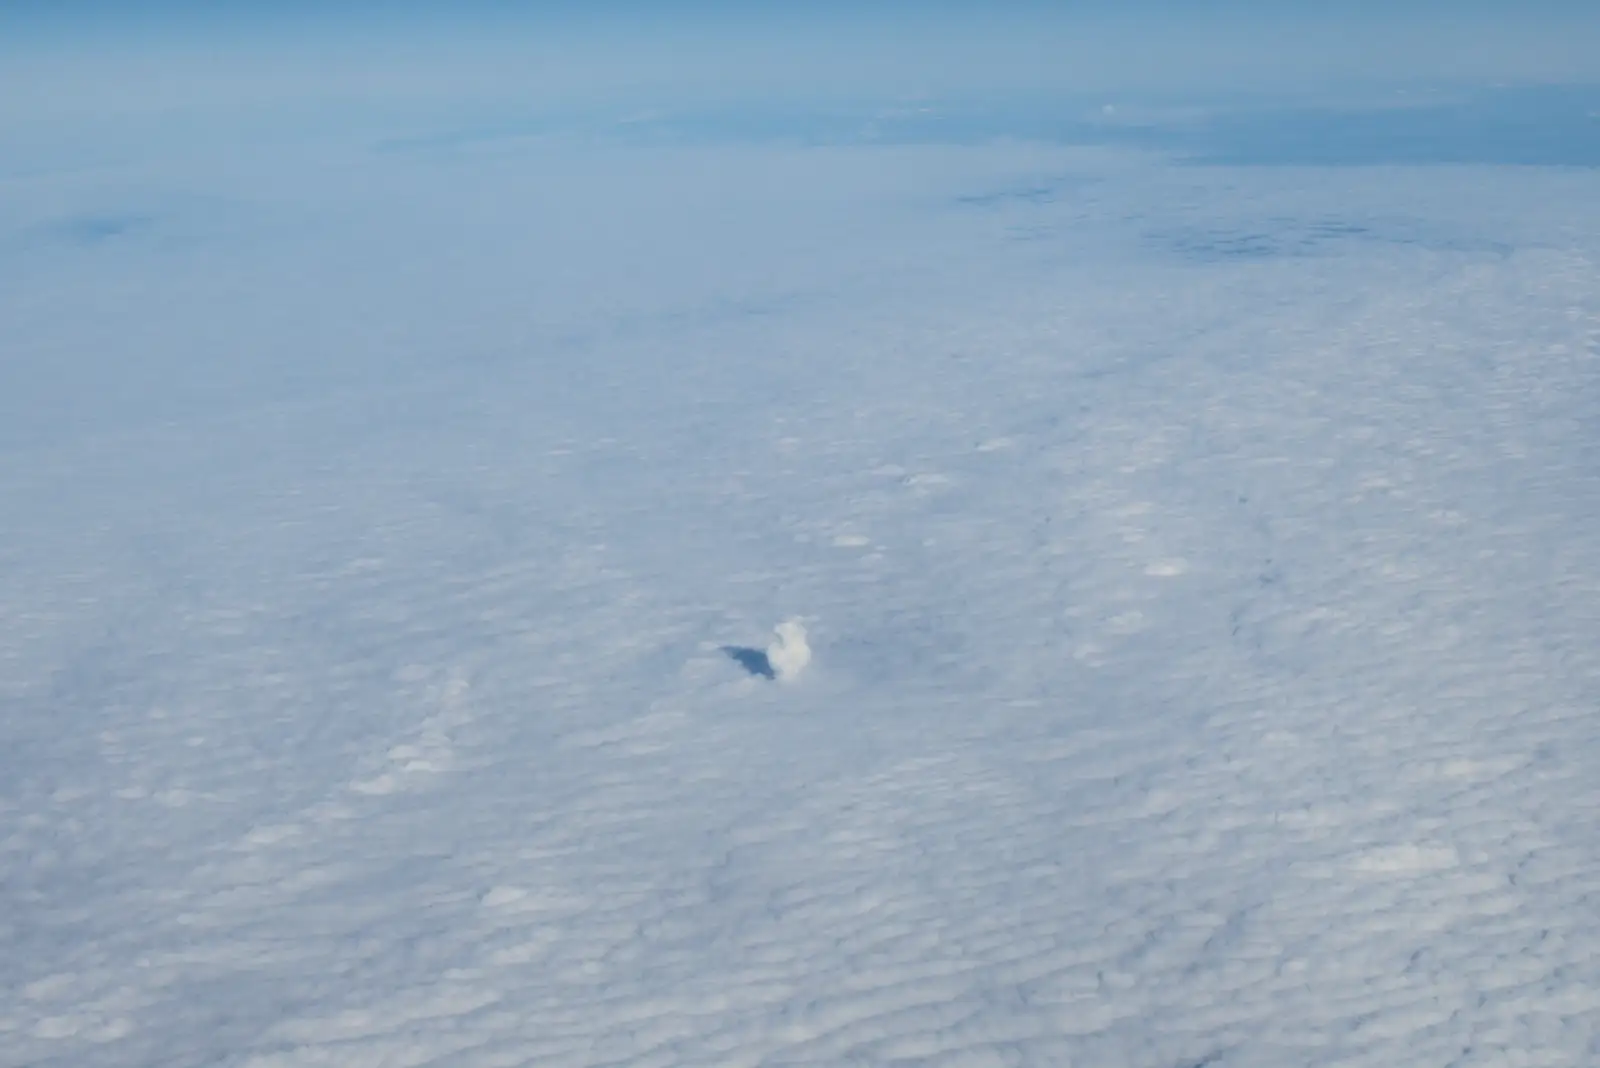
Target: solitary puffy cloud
{"points": [[789, 652]]}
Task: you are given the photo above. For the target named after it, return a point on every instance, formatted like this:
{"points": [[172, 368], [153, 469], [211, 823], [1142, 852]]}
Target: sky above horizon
{"points": [[91, 59]]}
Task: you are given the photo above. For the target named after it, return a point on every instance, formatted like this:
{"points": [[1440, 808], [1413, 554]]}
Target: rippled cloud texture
{"points": [[1177, 433]]}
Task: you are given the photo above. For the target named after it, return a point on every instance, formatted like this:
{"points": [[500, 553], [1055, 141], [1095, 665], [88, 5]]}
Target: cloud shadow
{"points": [[89, 230], [752, 660]]}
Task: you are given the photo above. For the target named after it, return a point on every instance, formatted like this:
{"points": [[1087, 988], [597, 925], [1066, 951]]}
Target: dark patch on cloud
{"points": [[754, 661], [1259, 240], [1286, 237], [96, 228]]}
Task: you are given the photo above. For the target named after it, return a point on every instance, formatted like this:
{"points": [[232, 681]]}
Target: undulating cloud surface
{"points": [[1177, 433]]}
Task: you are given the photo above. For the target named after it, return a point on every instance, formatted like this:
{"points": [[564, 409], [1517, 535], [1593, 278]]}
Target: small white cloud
{"points": [[789, 654]]}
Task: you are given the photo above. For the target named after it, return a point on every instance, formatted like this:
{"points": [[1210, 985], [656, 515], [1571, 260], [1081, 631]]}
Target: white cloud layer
{"points": [[1207, 558]]}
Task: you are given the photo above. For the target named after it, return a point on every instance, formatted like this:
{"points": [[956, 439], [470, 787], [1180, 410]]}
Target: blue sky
{"points": [[94, 58]]}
